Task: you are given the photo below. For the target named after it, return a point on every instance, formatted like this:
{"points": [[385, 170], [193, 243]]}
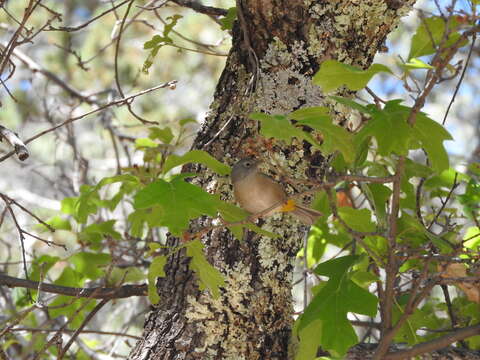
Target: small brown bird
{"points": [[256, 192]]}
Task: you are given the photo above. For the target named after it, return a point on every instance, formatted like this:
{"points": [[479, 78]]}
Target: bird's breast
{"points": [[258, 192]]}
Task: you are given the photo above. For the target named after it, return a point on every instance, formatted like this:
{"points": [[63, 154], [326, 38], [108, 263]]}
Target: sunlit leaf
{"points": [[333, 74], [196, 156], [430, 33]]}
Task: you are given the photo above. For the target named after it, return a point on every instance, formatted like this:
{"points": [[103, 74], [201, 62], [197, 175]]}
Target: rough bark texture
{"points": [[253, 317]]}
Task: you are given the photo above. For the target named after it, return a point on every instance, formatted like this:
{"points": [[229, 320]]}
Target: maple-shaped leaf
{"points": [[335, 138], [179, 202], [390, 128], [333, 301]]}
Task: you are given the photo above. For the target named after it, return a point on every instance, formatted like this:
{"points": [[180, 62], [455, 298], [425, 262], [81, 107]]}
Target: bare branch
{"points": [[35, 67], [121, 292], [128, 99], [90, 315], [203, 9], [97, 332], [435, 344], [85, 24]]}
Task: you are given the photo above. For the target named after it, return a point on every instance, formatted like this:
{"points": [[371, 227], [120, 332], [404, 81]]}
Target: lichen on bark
{"points": [[252, 318]]}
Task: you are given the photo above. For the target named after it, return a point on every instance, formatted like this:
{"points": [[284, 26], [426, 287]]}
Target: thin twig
{"points": [[170, 84], [79, 27], [470, 51], [90, 315], [117, 73]]}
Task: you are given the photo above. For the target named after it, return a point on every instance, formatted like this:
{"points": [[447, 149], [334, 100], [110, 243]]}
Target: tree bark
{"points": [[277, 47]]}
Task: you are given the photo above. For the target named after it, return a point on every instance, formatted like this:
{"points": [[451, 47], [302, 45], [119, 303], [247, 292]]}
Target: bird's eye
{"points": [[248, 164]]}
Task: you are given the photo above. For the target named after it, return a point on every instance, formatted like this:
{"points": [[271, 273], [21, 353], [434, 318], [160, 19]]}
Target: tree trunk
{"points": [[278, 46]]}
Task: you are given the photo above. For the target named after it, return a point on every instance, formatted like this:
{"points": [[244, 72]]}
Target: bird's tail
{"points": [[306, 215]]}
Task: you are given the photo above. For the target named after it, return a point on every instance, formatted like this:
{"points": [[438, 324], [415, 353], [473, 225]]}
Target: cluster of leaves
{"points": [[373, 151], [160, 198]]}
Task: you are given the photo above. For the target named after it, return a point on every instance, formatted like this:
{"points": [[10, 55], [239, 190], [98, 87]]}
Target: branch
{"points": [[121, 292], [440, 60], [14, 141], [75, 28], [128, 99], [89, 317], [98, 332], [203, 9], [35, 67], [435, 344], [117, 76], [391, 268]]}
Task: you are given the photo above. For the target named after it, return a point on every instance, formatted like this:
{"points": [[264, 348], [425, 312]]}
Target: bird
{"points": [[257, 192]]}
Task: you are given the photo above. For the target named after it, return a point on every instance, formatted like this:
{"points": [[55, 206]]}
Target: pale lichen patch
{"points": [[213, 316], [282, 86]]}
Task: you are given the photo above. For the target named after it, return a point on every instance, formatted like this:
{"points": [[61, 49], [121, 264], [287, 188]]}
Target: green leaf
{"points": [[210, 277], [260, 231], [414, 169], [416, 64], [95, 232], [89, 264], [430, 30], [70, 277], [337, 267], [357, 219], [157, 41], [431, 136], [145, 143], [472, 237], [333, 74], [470, 198], [368, 109], [124, 178], [316, 245], [126, 275], [186, 121], [335, 138], [196, 156], [42, 265], [378, 195], [445, 179], [390, 128], [178, 201], [89, 200], [155, 270], [75, 311], [57, 223], [360, 300], [333, 301], [364, 278], [227, 21], [309, 338], [315, 112], [165, 135], [278, 127]]}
